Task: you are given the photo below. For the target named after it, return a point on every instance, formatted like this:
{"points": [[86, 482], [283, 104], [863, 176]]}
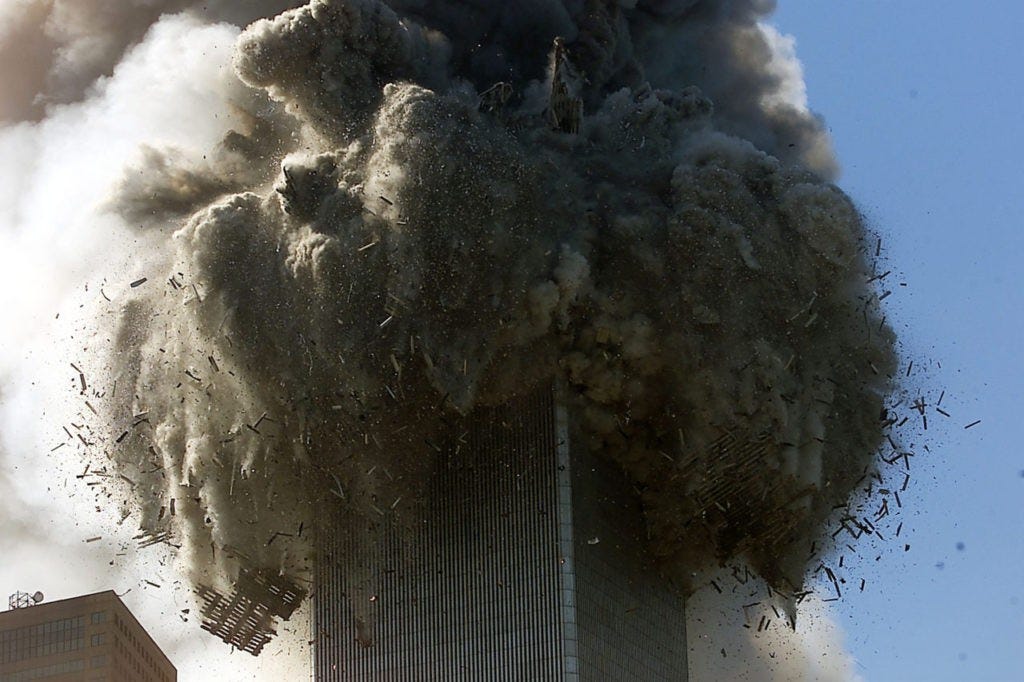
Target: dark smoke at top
{"points": [[52, 51], [439, 205]]}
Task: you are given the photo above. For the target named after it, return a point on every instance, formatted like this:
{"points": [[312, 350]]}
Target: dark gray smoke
{"points": [[437, 206]]}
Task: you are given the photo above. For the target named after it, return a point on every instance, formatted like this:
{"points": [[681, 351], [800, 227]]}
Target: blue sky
{"points": [[925, 104]]}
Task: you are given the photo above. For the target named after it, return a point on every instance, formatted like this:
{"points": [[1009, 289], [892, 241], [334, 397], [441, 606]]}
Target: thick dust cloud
{"points": [[438, 206]]}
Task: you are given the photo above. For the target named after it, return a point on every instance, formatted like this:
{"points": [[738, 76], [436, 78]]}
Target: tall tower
{"points": [[530, 565]]}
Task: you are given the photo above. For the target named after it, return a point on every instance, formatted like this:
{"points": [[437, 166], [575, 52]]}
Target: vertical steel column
{"points": [[566, 554]]}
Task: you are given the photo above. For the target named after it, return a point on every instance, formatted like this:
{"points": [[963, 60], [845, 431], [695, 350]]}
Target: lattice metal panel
{"points": [[247, 617], [735, 498]]}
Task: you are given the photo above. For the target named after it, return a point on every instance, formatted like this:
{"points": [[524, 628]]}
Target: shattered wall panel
{"points": [[246, 619]]}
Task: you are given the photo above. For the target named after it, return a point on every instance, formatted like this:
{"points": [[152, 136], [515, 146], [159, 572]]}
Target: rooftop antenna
{"points": [[23, 600]]}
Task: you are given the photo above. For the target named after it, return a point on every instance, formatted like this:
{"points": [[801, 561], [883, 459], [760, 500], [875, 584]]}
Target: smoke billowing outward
{"points": [[438, 205], [54, 51]]}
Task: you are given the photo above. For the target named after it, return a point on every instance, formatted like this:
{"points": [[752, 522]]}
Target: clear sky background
{"points": [[925, 102]]}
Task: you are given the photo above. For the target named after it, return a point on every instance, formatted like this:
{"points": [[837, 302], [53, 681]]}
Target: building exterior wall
{"points": [[91, 638], [461, 601], [501, 582], [631, 622]]}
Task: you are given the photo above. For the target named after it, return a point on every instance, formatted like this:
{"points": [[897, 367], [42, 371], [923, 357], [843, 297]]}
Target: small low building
{"points": [[89, 638]]}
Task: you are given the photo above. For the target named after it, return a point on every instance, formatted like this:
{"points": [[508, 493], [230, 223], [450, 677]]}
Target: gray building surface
{"points": [[530, 565]]}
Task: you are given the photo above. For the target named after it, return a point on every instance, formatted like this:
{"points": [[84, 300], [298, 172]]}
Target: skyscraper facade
{"points": [[93, 638], [530, 564]]}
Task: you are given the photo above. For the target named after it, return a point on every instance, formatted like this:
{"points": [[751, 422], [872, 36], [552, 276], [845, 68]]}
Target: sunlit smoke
{"points": [[416, 208]]}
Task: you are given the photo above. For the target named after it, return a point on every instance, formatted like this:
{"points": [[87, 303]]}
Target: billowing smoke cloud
{"points": [[458, 219], [429, 206], [54, 51]]}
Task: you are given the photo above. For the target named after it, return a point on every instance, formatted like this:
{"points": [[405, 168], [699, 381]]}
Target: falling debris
{"points": [[405, 238], [246, 618]]}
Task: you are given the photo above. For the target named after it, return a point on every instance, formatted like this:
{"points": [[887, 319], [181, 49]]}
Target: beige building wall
{"points": [[93, 638]]}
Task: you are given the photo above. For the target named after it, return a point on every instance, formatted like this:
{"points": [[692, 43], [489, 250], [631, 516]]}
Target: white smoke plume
{"points": [[55, 51], [418, 207], [61, 256], [742, 634]]}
